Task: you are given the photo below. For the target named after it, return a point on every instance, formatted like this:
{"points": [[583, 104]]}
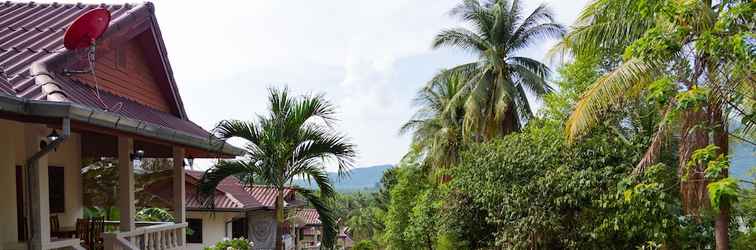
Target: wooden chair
{"points": [[97, 228], [54, 225], [83, 232]]}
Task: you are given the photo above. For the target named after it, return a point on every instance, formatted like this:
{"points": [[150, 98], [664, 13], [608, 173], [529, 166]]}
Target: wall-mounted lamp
{"points": [[53, 136], [50, 138], [138, 155]]}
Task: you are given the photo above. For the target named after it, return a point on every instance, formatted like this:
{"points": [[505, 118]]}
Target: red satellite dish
{"points": [[86, 29]]}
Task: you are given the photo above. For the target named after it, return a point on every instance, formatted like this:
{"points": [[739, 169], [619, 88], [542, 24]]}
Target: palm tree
{"points": [[679, 51], [294, 140], [437, 126], [494, 98]]}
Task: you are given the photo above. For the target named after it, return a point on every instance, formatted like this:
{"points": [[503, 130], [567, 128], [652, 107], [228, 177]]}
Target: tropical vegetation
{"points": [[294, 140], [493, 92], [629, 149]]}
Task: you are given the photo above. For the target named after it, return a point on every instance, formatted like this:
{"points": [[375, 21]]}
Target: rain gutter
{"points": [[32, 164], [105, 119]]}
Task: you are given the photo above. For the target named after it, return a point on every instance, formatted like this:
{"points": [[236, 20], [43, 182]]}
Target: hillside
{"points": [[360, 179]]}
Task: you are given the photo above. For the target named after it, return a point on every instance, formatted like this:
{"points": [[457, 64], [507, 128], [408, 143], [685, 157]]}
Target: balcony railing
{"points": [[166, 236]]}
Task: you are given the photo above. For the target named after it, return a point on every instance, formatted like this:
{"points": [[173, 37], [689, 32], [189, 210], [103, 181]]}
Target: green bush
{"points": [[232, 244], [366, 245]]}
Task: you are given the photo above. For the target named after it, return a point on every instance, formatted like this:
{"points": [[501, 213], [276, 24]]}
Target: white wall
{"points": [[12, 154], [11, 137], [68, 155], [213, 227]]}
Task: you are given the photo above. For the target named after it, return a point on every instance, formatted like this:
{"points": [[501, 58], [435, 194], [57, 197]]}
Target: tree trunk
{"points": [[279, 220], [721, 224], [721, 227]]}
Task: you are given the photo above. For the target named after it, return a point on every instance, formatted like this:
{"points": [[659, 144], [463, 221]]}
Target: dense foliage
{"points": [[630, 152]]}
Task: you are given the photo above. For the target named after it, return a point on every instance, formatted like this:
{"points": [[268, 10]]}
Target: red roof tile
{"points": [[31, 32], [231, 194], [310, 216]]}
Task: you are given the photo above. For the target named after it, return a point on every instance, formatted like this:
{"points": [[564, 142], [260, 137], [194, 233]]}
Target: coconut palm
{"points": [[437, 126], [495, 98], [294, 140], [677, 58]]}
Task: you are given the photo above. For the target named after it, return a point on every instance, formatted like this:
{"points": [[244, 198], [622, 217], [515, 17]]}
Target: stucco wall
{"points": [[11, 135], [213, 227], [13, 153]]}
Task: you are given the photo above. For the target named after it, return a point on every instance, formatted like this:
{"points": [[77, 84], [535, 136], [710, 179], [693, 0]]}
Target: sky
{"points": [[368, 57]]}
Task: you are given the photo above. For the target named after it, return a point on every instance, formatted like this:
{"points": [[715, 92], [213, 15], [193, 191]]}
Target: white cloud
{"points": [[369, 57]]}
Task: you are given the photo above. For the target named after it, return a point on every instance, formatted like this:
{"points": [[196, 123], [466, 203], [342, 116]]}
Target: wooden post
{"points": [[126, 183], [179, 192], [109, 241], [39, 218]]}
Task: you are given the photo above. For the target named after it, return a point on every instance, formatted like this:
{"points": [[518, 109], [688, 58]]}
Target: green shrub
{"points": [[232, 244], [366, 245]]}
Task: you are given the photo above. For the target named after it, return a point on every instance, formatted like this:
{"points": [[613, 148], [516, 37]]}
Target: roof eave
{"points": [[101, 118]]}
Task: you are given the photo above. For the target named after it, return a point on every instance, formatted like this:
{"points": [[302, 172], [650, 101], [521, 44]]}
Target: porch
{"points": [[41, 168]]}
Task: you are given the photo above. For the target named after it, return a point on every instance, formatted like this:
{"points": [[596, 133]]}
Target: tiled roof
{"points": [[84, 94], [164, 191], [31, 32], [310, 216], [232, 194]]}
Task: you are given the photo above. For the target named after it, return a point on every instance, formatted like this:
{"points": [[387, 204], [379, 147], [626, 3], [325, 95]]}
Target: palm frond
{"points": [[310, 171], [536, 34], [235, 128], [213, 177], [531, 74], [608, 90], [309, 107], [323, 205], [606, 24], [321, 144], [657, 142], [460, 38]]}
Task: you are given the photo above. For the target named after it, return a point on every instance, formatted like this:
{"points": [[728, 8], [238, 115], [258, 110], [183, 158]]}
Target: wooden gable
{"points": [[128, 70], [124, 71]]}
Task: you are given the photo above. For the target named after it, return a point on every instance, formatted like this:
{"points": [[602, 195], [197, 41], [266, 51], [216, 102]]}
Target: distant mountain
{"points": [[360, 179]]}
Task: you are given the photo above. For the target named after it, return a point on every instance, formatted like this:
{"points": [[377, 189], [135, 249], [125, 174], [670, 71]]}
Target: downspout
{"points": [[32, 165]]}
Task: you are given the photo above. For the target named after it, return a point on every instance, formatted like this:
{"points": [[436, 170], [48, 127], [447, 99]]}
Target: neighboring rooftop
{"points": [[310, 216], [230, 195]]}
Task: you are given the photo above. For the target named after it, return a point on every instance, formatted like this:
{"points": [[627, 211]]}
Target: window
{"points": [[194, 234], [239, 228], [56, 181]]}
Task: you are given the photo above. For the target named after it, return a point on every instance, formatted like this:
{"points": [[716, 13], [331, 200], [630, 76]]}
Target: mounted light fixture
{"points": [[53, 136], [138, 155]]}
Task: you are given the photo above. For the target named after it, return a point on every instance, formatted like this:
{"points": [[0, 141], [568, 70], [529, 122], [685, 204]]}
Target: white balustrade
{"points": [[157, 237]]}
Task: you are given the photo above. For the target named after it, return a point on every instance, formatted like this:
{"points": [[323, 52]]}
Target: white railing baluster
{"points": [[157, 237]]}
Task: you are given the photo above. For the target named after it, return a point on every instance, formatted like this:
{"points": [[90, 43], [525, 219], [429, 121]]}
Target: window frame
{"points": [[196, 237], [56, 178]]}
